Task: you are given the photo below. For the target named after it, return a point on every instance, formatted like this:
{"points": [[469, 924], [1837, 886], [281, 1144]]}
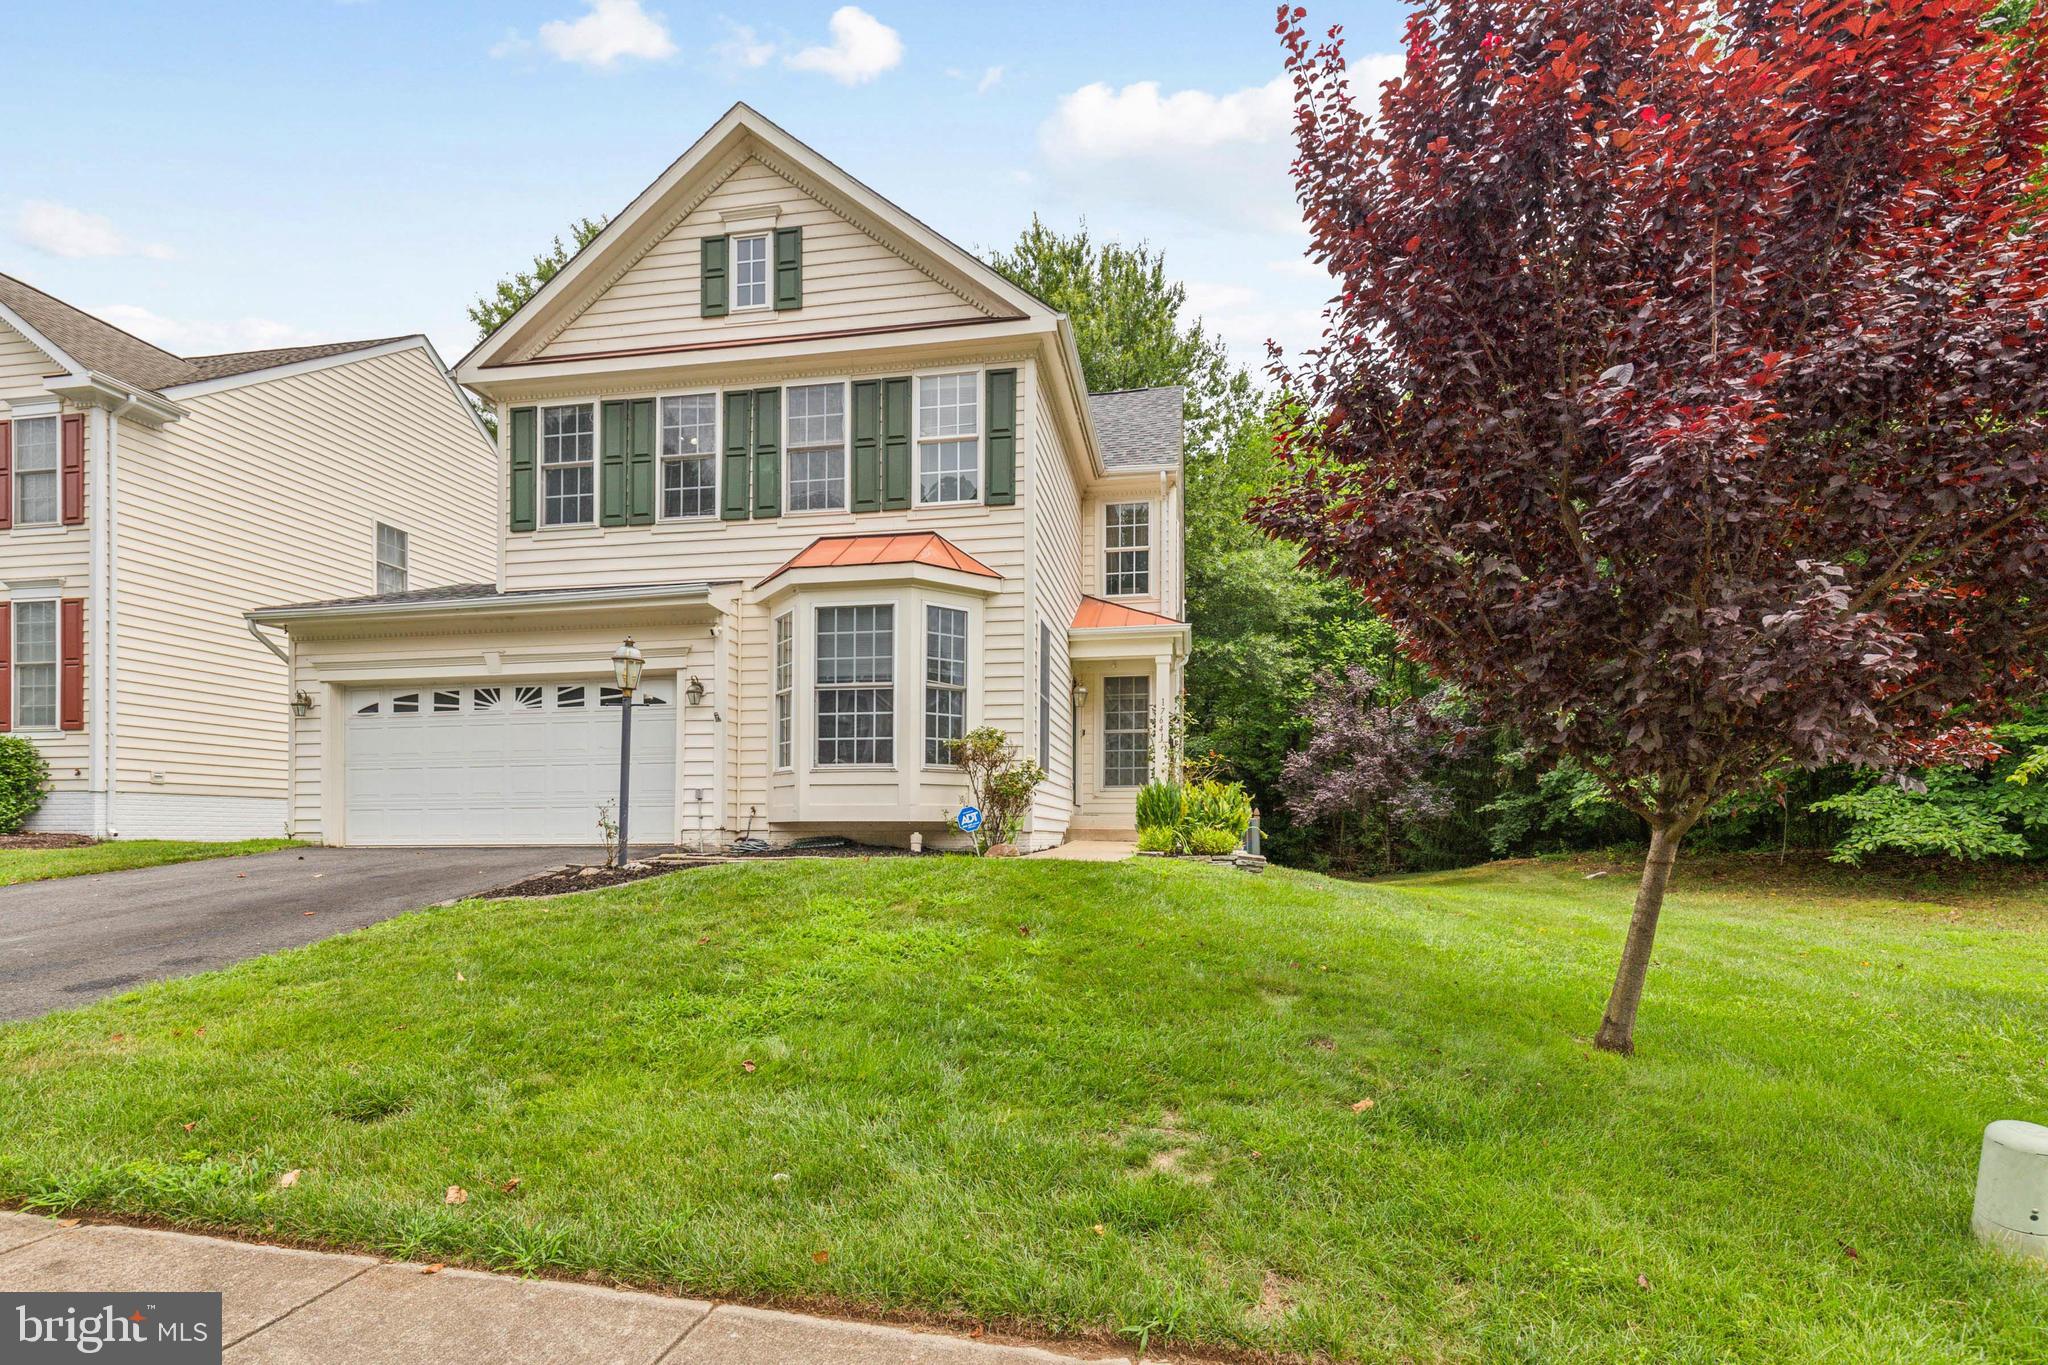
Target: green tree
{"points": [[491, 310]]}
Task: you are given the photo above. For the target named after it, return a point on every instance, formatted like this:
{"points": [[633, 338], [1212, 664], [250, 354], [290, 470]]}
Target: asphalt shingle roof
{"points": [[1138, 428], [100, 345]]}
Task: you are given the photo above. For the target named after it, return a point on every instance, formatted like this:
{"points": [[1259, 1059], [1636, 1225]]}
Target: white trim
{"points": [[45, 411], [41, 342], [541, 467], [918, 440], [894, 606], [732, 266], [1150, 548], [56, 664], [716, 456], [403, 564], [845, 504]]}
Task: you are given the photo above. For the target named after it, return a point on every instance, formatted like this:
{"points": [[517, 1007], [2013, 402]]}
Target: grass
{"points": [[117, 855], [1118, 1100]]}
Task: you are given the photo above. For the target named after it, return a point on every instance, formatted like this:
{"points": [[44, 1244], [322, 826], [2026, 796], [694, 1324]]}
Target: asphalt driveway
{"points": [[74, 939]]}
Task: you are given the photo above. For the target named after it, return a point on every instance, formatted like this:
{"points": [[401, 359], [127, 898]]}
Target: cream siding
{"points": [[270, 492], [850, 280], [47, 560], [1055, 503]]}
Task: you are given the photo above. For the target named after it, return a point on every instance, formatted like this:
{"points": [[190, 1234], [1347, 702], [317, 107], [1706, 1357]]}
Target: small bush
{"points": [[1219, 806], [1157, 839], [1212, 842], [999, 782], [24, 778], [1161, 805]]}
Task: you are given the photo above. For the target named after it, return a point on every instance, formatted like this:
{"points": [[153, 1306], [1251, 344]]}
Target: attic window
{"points": [[750, 272]]}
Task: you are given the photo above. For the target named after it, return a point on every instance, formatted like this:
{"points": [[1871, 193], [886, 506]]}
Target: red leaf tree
{"points": [[1684, 401]]}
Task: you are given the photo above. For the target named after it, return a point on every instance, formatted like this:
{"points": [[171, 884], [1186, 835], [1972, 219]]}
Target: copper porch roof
{"points": [[1096, 614], [923, 547]]}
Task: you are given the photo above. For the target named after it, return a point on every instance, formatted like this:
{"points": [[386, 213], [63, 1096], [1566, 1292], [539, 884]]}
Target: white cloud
{"points": [[1217, 158], [742, 48], [1246, 316], [862, 48], [73, 233], [203, 338], [990, 79], [611, 30], [513, 44]]}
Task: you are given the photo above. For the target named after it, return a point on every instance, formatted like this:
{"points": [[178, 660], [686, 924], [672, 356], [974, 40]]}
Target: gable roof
{"points": [[924, 547], [740, 133], [1139, 428], [1096, 614], [89, 343]]}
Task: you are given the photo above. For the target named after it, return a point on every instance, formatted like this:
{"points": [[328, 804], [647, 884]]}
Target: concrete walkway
{"points": [[1088, 851], [286, 1307]]}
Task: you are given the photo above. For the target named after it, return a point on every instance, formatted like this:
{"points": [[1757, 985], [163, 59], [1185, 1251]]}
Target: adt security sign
{"points": [[969, 819]]}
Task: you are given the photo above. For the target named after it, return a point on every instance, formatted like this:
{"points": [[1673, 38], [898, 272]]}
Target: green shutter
{"points": [[640, 461], [789, 268], [895, 444], [739, 444], [767, 452], [611, 464], [867, 446], [714, 284], [1001, 490], [523, 441]]}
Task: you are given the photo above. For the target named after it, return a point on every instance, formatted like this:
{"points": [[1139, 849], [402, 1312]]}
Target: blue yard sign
{"points": [[969, 819]]}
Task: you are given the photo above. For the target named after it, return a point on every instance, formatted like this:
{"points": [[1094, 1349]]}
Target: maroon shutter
{"points": [[71, 664], [6, 662], [73, 467], [6, 475]]}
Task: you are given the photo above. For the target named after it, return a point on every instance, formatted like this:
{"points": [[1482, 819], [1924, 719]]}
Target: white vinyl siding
{"points": [[36, 443], [35, 665], [568, 459], [945, 682], [815, 451], [856, 696], [1127, 549], [948, 438], [1126, 731], [785, 691], [749, 272], [689, 456], [393, 556]]}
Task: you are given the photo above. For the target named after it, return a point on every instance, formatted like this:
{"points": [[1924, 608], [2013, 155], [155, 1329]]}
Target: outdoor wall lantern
{"points": [[1080, 695], [627, 662], [302, 705], [695, 691]]}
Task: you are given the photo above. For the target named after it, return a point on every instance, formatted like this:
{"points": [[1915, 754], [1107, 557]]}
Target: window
{"points": [[35, 665], [948, 438], [406, 705], [368, 709], [527, 698], [485, 699], [817, 447], [35, 472], [856, 701], [610, 696], [750, 272], [569, 698], [392, 553], [446, 702], [689, 456], [945, 681], [1126, 731], [785, 681], [567, 456], [1127, 540]]}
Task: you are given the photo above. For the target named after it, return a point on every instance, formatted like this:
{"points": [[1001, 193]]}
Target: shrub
{"points": [[24, 778], [1157, 839], [1212, 842], [1161, 805], [1219, 806], [999, 782]]}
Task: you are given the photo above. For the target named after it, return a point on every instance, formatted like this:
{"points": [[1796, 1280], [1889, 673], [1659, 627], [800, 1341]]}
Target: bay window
{"points": [[945, 682], [785, 690], [856, 694]]}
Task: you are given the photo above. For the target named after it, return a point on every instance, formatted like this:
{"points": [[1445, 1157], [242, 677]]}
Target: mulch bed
{"points": [[38, 841]]}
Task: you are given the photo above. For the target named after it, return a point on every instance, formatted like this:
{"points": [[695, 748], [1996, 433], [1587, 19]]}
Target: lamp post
{"points": [[626, 665]]}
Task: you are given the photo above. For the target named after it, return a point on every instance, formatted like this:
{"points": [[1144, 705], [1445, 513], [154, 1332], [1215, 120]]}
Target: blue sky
{"points": [[236, 175]]}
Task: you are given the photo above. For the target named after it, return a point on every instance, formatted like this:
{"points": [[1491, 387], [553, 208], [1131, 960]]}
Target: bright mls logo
{"points": [[970, 819], [160, 1329]]}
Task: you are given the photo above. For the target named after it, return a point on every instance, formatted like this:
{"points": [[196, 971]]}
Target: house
{"points": [[844, 486], [147, 500]]}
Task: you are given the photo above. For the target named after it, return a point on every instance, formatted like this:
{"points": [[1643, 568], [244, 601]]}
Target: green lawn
{"points": [[117, 855], [1118, 1100]]}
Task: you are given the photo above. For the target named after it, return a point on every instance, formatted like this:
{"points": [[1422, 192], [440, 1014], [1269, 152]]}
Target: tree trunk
{"points": [[1618, 1026]]}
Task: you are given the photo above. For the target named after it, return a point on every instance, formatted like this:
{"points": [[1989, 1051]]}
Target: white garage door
{"points": [[511, 763]]}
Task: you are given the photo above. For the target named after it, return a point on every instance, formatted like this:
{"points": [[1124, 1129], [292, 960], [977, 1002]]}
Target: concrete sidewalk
{"points": [[285, 1307]]}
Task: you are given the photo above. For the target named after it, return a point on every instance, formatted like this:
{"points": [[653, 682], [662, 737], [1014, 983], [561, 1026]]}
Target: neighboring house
{"points": [[844, 486], [148, 500]]}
